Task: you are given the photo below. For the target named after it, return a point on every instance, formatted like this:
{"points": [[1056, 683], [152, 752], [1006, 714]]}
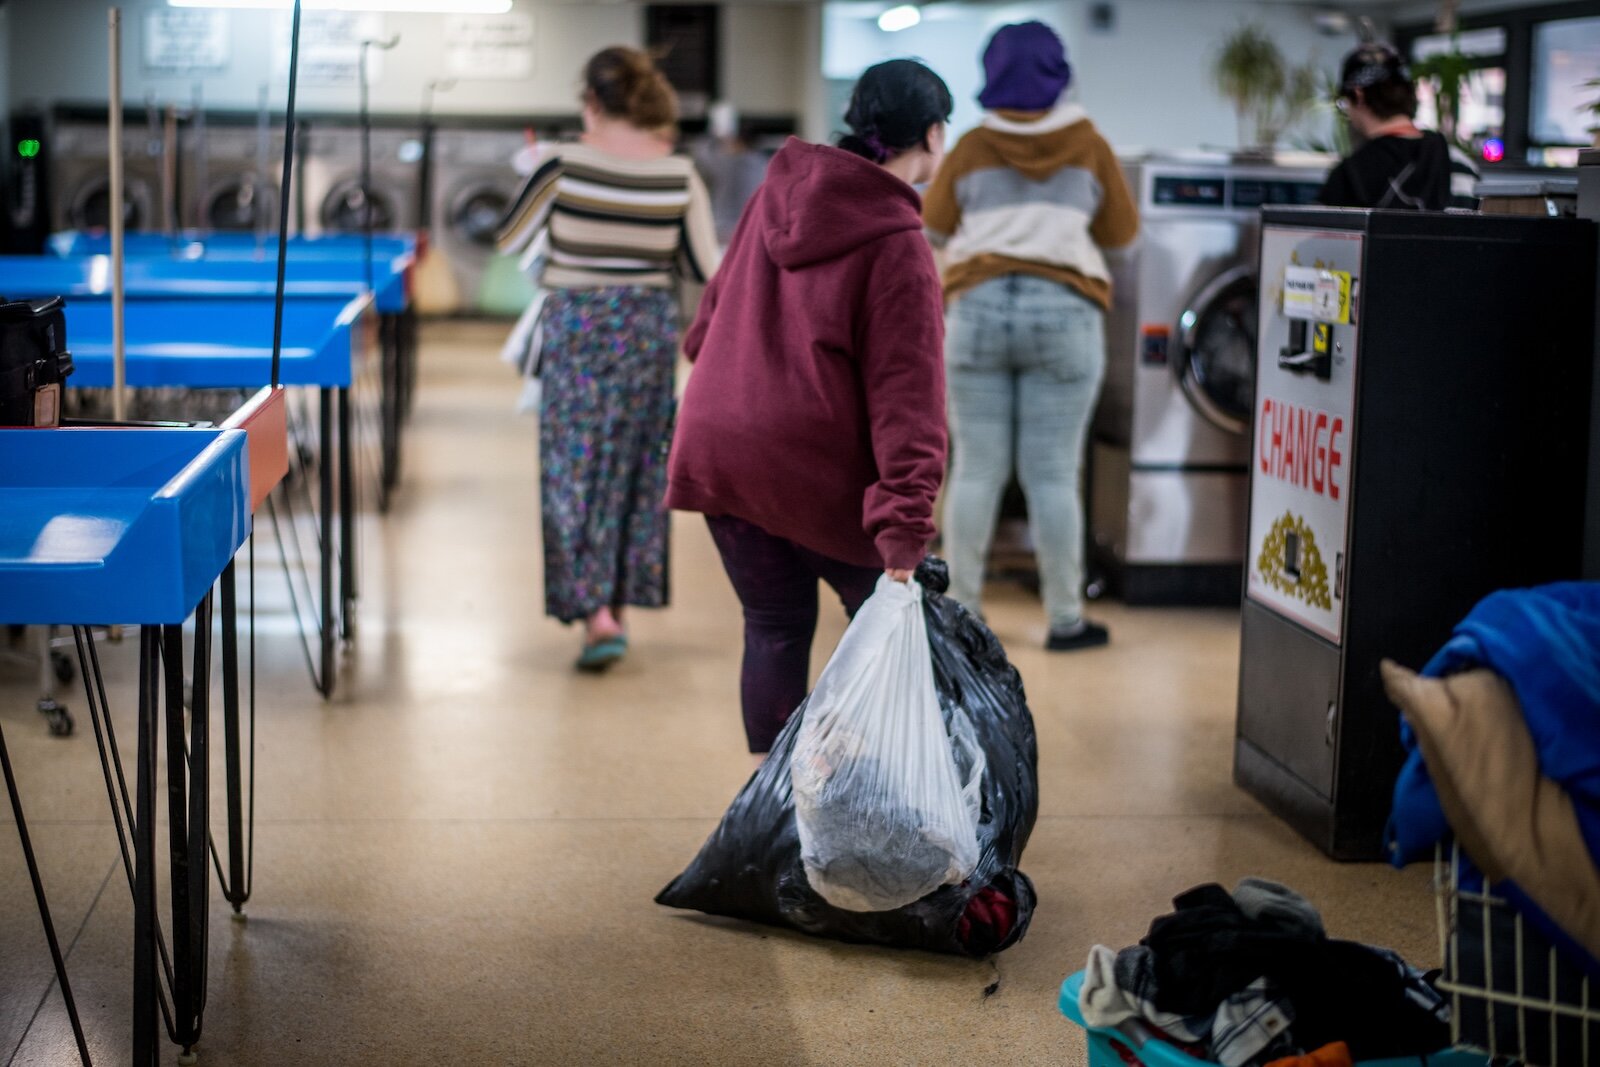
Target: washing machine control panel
{"points": [[1190, 191], [1261, 192], [1235, 192]]}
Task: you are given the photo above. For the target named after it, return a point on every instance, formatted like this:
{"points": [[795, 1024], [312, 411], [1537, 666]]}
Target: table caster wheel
{"points": [[64, 668], [188, 1057], [239, 917], [60, 718]]}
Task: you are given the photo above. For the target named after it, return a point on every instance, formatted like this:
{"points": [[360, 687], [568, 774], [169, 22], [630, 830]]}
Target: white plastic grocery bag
{"points": [[883, 813]]}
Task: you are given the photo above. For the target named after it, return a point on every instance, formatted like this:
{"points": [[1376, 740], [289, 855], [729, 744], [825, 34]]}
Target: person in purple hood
{"points": [[1022, 208]]}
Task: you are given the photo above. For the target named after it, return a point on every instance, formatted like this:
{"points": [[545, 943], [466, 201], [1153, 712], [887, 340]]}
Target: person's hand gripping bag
{"points": [[754, 866]]}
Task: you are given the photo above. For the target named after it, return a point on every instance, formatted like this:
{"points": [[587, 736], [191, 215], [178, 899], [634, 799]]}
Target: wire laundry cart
{"points": [[1513, 994]]}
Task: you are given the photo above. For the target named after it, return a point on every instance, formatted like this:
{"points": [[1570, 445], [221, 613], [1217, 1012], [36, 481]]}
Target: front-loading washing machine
{"points": [[473, 186], [234, 171], [81, 176], [1170, 446], [334, 200]]}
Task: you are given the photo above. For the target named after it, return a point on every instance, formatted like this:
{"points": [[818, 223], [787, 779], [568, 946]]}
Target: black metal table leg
{"points": [[188, 817], [44, 904], [329, 550], [234, 888], [391, 400], [145, 976], [408, 362], [347, 520]]}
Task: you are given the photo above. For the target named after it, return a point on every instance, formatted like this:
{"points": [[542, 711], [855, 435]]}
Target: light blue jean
{"points": [[1024, 357]]}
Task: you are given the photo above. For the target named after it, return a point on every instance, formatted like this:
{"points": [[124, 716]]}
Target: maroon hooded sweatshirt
{"points": [[816, 406]]}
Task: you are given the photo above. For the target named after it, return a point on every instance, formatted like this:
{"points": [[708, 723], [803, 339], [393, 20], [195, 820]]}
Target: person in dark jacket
{"points": [[1397, 165], [812, 431]]}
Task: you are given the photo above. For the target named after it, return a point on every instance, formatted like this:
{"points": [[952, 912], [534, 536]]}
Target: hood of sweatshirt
{"points": [[819, 203], [1025, 144]]}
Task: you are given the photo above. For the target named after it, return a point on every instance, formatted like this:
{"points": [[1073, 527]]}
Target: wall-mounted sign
{"points": [[487, 47], [185, 41], [330, 47]]}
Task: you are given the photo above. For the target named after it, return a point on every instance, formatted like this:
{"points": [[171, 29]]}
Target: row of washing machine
{"points": [[454, 182]]}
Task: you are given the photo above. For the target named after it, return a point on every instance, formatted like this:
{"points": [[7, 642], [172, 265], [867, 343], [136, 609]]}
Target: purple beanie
{"points": [[1025, 68]]}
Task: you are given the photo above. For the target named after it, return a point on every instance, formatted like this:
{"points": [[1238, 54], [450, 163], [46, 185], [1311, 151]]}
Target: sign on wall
{"points": [[488, 47], [185, 41], [330, 47]]}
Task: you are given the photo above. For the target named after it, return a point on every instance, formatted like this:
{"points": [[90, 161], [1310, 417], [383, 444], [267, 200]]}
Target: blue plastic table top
{"points": [[1157, 1053], [89, 278], [338, 257], [216, 343], [195, 244], [117, 525]]}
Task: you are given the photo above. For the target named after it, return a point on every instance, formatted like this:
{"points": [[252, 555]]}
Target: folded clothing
{"points": [[1260, 985]]}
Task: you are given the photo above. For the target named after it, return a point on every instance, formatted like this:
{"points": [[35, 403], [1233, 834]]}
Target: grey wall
{"points": [[65, 59], [1146, 82]]}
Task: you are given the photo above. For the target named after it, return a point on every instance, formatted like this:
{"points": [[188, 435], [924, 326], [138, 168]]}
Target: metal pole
{"points": [[283, 195], [119, 372], [202, 161], [366, 150], [263, 162], [169, 172]]}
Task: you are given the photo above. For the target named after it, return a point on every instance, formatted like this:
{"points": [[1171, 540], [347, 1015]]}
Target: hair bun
{"points": [[624, 83]]}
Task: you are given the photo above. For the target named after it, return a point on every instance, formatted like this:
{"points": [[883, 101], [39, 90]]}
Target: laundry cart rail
{"points": [[1513, 993]]}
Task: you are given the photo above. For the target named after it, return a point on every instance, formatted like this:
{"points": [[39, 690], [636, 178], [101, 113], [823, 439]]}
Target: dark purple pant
{"points": [[777, 584]]}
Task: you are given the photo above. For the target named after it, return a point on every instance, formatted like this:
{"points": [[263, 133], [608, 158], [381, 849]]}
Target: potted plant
{"points": [[1268, 95], [1447, 72], [1593, 108]]}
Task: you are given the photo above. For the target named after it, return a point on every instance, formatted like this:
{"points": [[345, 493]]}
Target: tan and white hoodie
{"points": [[1039, 196]]}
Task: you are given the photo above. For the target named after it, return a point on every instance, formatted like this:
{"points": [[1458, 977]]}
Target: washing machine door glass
{"points": [[1216, 359], [475, 214], [244, 204], [91, 207], [345, 209]]}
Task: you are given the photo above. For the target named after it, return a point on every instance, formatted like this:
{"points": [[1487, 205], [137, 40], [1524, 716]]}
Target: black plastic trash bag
{"points": [[750, 867]]}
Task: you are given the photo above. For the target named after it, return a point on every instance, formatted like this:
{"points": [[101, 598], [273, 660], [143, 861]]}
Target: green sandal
{"points": [[602, 654]]}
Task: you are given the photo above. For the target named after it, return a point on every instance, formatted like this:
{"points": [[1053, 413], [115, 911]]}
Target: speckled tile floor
{"points": [[456, 856]]}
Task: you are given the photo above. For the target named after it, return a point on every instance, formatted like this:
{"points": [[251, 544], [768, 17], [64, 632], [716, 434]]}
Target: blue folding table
{"points": [[227, 343], [229, 265], [185, 329], [134, 526]]}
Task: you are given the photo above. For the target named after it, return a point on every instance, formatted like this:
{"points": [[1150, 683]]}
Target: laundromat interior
{"points": [[800, 533]]}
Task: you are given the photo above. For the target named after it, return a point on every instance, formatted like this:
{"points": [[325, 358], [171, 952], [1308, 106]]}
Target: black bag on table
{"points": [[750, 867], [33, 361]]}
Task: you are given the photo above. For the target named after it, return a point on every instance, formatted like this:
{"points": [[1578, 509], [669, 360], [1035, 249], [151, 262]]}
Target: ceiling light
{"points": [[436, 7], [899, 18]]}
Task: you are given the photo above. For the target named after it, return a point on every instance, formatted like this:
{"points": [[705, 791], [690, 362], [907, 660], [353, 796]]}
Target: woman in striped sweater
{"points": [[609, 227]]}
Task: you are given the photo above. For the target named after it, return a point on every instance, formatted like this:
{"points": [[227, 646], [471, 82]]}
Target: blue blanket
{"points": [[1546, 643]]}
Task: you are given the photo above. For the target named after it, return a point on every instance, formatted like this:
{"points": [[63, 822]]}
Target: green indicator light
{"points": [[28, 149]]}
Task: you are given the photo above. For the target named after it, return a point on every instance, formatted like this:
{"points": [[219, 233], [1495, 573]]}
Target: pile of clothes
{"points": [[1502, 730], [1251, 979]]}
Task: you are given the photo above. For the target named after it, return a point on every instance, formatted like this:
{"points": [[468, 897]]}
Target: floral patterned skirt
{"points": [[605, 427]]}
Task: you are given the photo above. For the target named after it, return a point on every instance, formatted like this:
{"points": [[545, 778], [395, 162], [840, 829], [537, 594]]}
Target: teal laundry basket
{"points": [[1103, 1044]]}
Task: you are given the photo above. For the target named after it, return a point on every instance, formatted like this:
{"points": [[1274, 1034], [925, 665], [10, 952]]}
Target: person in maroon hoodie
{"points": [[812, 431]]}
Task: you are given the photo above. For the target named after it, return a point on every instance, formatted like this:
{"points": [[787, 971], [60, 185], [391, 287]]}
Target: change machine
{"points": [[1420, 429]]}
